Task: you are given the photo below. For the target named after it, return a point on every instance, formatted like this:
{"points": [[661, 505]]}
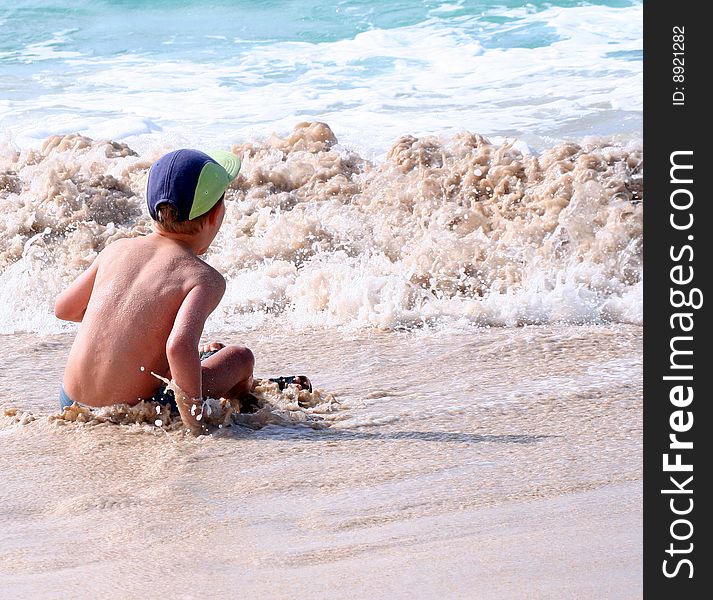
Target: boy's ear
{"points": [[213, 212]]}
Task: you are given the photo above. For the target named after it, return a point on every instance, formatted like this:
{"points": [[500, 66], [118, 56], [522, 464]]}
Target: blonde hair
{"points": [[167, 220]]}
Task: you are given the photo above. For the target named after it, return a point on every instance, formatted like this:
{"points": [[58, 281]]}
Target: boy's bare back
{"points": [[137, 288]]}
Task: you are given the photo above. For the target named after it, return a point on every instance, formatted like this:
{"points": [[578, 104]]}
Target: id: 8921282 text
{"points": [[678, 77]]}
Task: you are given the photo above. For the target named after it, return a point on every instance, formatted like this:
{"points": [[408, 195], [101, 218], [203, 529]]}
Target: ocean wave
{"points": [[449, 229]]}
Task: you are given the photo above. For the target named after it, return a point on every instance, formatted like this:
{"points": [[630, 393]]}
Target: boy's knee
{"points": [[242, 354]]}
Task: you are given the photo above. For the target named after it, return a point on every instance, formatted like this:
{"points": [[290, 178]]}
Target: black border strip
{"points": [[676, 123]]}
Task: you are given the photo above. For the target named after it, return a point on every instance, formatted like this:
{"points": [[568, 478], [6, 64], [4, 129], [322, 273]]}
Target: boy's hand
{"points": [[191, 411]]}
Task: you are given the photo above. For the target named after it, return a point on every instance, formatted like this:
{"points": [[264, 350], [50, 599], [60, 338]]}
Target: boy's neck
{"points": [[194, 242]]}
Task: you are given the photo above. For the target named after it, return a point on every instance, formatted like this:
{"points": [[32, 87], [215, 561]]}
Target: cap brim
{"points": [[227, 160]]}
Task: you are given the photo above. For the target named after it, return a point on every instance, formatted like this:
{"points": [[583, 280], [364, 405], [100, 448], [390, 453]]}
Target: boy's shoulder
{"points": [[130, 251], [122, 250], [120, 243], [114, 249]]}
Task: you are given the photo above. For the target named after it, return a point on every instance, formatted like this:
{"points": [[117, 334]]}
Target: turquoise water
{"points": [[164, 72], [111, 28]]}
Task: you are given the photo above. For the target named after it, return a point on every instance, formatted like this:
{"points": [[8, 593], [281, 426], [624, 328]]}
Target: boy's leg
{"points": [[228, 373]]}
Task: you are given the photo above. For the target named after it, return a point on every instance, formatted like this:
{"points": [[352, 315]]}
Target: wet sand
{"points": [[481, 463]]}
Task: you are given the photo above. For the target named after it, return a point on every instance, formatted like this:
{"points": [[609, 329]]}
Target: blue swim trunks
{"points": [[64, 400], [162, 395]]}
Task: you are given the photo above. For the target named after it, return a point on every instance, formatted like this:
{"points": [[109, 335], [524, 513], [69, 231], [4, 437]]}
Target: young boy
{"points": [[143, 302]]}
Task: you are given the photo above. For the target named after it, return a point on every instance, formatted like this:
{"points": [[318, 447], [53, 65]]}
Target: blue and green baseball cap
{"points": [[191, 181]]}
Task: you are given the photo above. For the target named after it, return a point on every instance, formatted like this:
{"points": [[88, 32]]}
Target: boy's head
{"points": [[184, 185]]}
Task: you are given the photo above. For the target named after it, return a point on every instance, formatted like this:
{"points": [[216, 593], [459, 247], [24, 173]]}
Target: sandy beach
{"points": [[457, 482]]}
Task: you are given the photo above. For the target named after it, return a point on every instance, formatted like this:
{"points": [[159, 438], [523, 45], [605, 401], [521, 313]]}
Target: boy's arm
{"points": [[182, 344], [71, 304]]}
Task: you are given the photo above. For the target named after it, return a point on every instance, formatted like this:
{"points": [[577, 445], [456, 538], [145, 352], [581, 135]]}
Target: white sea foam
{"points": [[454, 230]]}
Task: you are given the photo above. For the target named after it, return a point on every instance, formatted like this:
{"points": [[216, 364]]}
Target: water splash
{"points": [[446, 229]]}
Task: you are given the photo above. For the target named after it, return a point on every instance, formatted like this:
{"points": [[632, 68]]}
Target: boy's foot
{"points": [[210, 349], [249, 403], [302, 382]]}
